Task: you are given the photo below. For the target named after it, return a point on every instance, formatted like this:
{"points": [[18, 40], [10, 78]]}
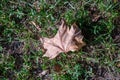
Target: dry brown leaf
{"points": [[64, 41]]}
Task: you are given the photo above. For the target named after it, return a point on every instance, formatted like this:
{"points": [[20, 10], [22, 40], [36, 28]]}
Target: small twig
{"points": [[36, 26]]}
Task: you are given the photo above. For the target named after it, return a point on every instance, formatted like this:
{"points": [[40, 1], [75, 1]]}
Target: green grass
{"points": [[15, 18]]}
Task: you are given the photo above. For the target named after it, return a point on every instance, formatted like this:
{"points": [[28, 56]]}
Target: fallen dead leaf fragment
{"points": [[67, 39], [43, 73]]}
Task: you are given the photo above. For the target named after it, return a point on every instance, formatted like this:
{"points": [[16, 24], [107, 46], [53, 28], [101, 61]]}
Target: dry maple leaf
{"points": [[64, 41]]}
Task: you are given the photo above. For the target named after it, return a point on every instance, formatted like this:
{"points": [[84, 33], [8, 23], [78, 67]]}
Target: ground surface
{"points": [[20, 48]]}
